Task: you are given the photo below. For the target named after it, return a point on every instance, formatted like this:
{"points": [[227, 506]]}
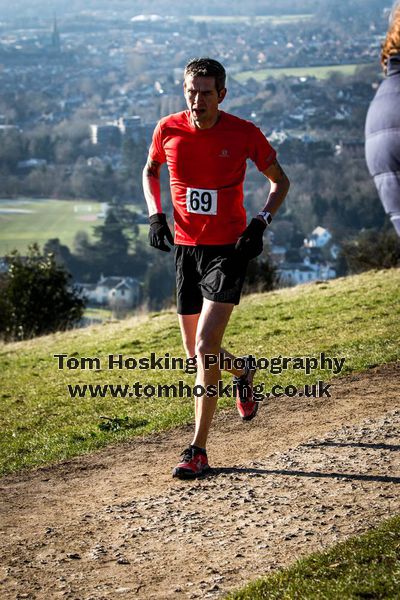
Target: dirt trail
{"points": [[303, 475]]}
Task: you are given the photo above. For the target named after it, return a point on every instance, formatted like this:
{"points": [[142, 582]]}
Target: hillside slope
{"points": [[306, 473], [352, 320]]}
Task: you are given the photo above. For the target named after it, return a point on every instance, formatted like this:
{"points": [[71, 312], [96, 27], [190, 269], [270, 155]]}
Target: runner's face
{"points": [[202, 100]]}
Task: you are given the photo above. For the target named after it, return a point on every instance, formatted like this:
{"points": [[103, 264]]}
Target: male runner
{"points": [[206, 151]]}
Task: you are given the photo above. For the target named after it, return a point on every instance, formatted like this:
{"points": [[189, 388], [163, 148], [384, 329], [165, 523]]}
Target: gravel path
{"points": [[302, 476]]}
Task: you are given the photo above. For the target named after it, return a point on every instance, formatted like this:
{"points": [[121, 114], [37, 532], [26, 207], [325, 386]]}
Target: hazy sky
{"points": [[32, 9]]}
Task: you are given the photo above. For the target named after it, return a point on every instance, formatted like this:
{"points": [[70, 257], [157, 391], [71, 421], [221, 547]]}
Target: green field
{"points": [[367, 566], [23, 222], [102, 314], [318, 72], [355, 318], [253, 20]]}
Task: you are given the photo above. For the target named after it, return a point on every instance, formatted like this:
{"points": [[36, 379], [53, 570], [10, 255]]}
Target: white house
{"points": [[125, 294], [117, 292], [291, 274], [318, 239]]}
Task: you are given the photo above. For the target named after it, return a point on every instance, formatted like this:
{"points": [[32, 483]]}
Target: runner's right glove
{"points": [[250, 243], [158, 231]]}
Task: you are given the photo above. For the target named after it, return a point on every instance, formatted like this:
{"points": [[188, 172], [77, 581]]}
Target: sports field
{"points": [[253, 20], [318, 72], [23, 222]]}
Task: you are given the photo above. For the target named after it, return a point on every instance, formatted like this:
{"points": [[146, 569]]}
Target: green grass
{"points": [[46, 219], [367, 566], [253, 20], [355, 318], [98, 313], [318, 72]]}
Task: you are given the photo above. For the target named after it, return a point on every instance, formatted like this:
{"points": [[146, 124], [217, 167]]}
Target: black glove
{"points": [[158, 231], [250, 243]]}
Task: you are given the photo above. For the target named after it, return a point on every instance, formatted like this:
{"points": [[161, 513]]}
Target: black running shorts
{"points": [[213, 272]]}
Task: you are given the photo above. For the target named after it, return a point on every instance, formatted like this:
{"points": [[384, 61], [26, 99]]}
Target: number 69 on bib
{"points": [[201, 202]]}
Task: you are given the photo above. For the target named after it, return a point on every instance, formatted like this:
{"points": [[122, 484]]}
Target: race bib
{"points": [[201, 202]]}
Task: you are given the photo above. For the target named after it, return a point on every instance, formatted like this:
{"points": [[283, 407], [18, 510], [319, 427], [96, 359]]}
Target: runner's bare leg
{"points": [[214, 318], [188, 325]]}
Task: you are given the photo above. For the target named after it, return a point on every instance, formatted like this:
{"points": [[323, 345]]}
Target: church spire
{"points": [[55, 37]]}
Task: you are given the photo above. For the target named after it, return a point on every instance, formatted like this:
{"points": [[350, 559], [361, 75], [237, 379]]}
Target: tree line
{"points": [[74, 168]]}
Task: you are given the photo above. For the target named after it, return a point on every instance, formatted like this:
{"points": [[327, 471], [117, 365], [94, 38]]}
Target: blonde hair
{"points": [[391, 45]]}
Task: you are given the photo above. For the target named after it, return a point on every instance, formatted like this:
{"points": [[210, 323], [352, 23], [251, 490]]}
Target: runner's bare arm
{"points": [[151, 186], [279, 187]]}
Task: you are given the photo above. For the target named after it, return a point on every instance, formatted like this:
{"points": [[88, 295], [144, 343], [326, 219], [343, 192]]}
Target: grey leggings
{"points": [[388, 186]]}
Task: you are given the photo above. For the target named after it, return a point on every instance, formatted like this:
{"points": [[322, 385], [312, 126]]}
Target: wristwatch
{"points": [[266, 216]]}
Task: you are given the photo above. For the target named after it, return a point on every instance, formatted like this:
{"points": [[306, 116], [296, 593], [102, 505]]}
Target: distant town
{"points": [[133, 64], [81, 94]]}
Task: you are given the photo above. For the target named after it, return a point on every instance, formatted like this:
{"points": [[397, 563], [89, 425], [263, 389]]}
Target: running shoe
{"points": [[193, 464], [246, 406]]}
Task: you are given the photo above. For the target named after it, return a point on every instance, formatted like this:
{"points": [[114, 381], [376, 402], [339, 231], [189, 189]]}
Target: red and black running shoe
{"points": [[193, 464], [246, 406]]}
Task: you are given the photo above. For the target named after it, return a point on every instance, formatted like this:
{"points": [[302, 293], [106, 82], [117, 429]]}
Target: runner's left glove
{"points": [[159, 230], [250, 243]]}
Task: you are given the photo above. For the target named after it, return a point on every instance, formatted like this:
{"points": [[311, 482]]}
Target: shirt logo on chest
{"points": [[224, 153]]}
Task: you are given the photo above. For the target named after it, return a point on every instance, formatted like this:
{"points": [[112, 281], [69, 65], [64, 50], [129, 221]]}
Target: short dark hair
{"points": [[207, 67]]}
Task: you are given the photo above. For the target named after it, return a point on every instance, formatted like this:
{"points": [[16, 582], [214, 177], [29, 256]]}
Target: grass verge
{"points": [[354, 318], [367, 566]]}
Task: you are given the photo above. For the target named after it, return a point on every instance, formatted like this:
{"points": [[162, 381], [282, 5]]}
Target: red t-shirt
{"points": [[207, 168]]}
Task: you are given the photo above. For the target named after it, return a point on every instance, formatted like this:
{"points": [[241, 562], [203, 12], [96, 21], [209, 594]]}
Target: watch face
{"points": [[266, 215]]}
